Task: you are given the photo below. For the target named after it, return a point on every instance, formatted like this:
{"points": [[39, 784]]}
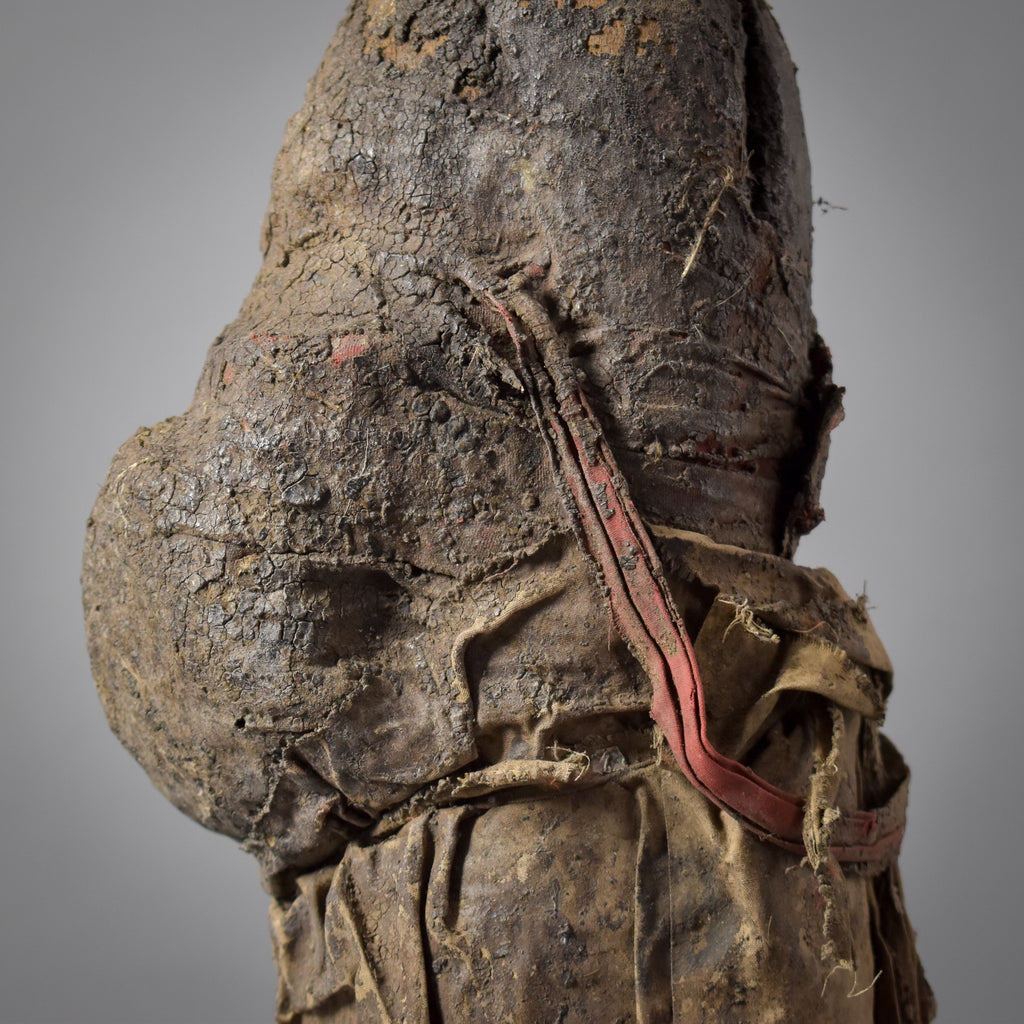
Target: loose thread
{"points": [[728, 180]]}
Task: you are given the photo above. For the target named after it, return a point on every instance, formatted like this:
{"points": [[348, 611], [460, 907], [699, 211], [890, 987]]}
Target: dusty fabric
{"points": [[582, 878], [343, 609]]}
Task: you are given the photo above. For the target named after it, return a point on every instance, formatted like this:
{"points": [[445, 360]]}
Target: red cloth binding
{"points": [[643, 613]]}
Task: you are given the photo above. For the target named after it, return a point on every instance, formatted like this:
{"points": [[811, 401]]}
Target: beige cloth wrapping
{"points": [[578, 877]]}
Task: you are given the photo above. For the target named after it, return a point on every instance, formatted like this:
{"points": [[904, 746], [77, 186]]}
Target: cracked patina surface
{"points": [[338, 609]]}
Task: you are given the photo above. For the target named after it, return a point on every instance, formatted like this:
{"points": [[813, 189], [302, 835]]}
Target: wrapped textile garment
{"points": [[526, 395]]}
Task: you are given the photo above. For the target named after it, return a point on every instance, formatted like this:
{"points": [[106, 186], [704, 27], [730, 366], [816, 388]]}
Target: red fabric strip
{"points": [[642, 610]]}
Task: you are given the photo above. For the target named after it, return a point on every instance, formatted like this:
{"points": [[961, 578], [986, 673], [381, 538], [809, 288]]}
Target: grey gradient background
{"points": [[136, 141]]}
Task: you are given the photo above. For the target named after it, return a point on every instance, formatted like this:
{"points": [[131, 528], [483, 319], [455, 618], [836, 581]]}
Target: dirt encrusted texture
{"points": [[340, 611]]}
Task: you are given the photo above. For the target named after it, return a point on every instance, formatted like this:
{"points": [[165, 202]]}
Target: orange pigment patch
{"points": [[648, 32], [612, 40], [609, 41], [408, 56], [229, 373]]}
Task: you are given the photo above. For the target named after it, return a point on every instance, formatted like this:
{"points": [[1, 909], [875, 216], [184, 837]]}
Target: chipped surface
{"points": [[648, 33], [407, 55], [609, 42]]}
